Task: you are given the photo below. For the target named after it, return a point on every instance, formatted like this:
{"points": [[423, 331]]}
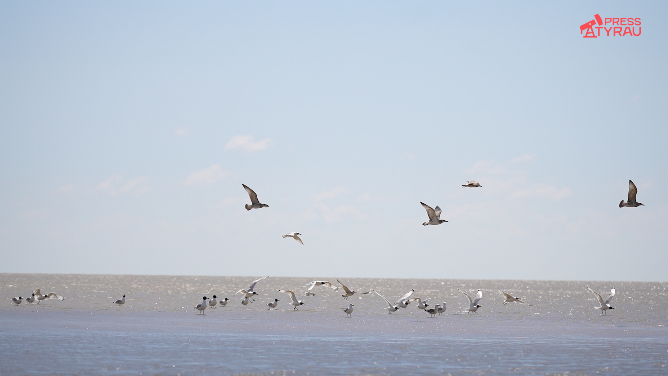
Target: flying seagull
{"points": [[248, 294], [422, 303], [318, 283], [51, 295], [632, 203], [391, 307], [295, 302], [295, 236], [510, 298], [255, 203], [404, 301], [348, 291], [471, 184], [434, 215], [120, 301], [605, 304], [473, 303]]}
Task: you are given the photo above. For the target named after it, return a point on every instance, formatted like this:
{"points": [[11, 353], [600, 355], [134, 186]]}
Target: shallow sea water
{"points": [[159, 332]]}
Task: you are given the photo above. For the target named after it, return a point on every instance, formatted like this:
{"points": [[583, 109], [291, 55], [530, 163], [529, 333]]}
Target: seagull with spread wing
{"points": [[255, 203], [313, 284], [294, 235], [294, 301], [348, 291], [404, 301], [248, 294], [391, 307], [510, 298], [605, 304], [471, 184], [632, 203], [434, 215], [473, 303]]}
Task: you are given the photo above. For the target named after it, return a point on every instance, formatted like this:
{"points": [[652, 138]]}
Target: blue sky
{"points": [[126, 131]]}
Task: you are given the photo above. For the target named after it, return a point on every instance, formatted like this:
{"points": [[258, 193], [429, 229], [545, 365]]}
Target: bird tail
{"points": [[284, 236]]}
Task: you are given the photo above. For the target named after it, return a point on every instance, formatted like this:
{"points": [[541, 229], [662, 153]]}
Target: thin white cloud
{"points": [[409, 156], [523, 158], [207, 175], [328, 195], [544, 191], [486, 167], [117, 185], [182, 132], [247, 143], [338, 213], [67, 188]]}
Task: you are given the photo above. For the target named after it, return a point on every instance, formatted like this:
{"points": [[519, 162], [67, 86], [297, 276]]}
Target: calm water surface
{"points": [[159, 332]]}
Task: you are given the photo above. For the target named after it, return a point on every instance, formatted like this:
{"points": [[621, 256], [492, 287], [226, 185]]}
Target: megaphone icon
{"points": [[589, 26]]}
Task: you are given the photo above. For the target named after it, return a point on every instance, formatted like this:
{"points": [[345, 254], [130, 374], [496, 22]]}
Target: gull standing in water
{"points": [[632, 203], [391, 308], [441, 308], [434, 215], [349, 310], [248, 294], [202, 306], [272, 305], [223, 302], [31, 299], [120, 301], [255, 203], [295, 302], [605, 304], [433, 311], [245, 301], [294, 235], [348, 291], [313, 284], [471, 184], [17, 300], [213, 302], [473, 303], [510, 298]]}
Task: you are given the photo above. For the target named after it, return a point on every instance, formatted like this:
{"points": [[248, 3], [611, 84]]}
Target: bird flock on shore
{"points": [[433, 214]]}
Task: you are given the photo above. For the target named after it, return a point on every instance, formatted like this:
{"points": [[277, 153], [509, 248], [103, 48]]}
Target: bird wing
{"points": [[468, 296], [388, 302], [633, 191], [344, 287], [53, 295], [598, 296], [242, 290], [508, 296], [329, 284], [37, 292], [430, 211], [612, 295], [252, 286], [311, 286], [251, 194], [297, 238], [478, 296], [292, 295], [437, 212], [406, 296]]}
